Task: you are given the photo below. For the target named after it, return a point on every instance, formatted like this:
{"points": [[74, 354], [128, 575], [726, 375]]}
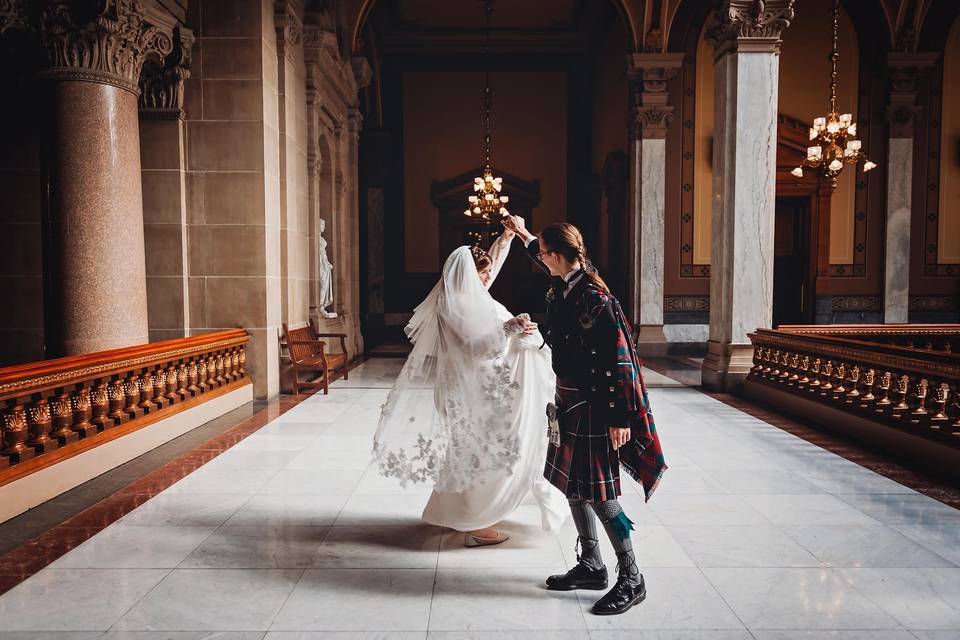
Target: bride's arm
{"points": [[499, 251]]}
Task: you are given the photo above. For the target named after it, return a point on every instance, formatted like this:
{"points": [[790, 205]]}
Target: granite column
{"points": [[96, 292]]}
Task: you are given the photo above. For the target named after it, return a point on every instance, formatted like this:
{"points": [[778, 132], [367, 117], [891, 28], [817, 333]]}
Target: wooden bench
{"points": [[308, 354]]}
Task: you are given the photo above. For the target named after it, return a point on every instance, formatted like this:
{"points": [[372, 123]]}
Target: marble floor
{"points": [[290, 534]]}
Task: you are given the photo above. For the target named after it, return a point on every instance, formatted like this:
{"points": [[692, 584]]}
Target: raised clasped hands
{"points": [[515, 224]]}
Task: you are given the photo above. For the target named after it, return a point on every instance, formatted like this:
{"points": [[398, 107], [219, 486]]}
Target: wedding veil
{"points": [[447, 418]]}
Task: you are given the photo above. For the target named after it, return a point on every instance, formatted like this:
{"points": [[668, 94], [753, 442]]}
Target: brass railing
{"points": [[54, 409], [877, 372]]}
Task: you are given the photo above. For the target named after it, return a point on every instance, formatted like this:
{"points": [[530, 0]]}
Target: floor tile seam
{"points": [[912, 478], [865, 596], [286, 599], [922, 544], [139, 600], [721, 596]]}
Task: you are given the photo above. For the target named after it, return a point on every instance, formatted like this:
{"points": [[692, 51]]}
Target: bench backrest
{"points": [[300, 351]]}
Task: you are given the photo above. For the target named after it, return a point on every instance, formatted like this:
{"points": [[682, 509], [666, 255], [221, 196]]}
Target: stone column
{"points": [[96, 283], [746, 38], [650, 116], [905, 70], [164, 163], [352, 220]]}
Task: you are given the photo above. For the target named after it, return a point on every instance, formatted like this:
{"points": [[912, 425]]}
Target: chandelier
{"points": [[833, 141], [486, 202]]}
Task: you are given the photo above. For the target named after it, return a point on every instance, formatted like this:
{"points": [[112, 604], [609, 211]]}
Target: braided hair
{"points": [[567, 240]]}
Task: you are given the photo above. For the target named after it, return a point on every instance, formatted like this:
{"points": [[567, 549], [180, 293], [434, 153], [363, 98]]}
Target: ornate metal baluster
{"points": [[40, 426], [903, 386], [804, 378], [15, 435], [202, 374], [63, 420], [171, 394], [775, 365], [117, 400], [131, 393], [100, 404], [939, 419], [826, 386], [159, 386], [815, 378], [883, 404], [840, 375], [193, 376], [854, 380], [868, 397], [794, 370], [220, 370], [82, 412], [919, 414], [145, 384], [182, 381]]}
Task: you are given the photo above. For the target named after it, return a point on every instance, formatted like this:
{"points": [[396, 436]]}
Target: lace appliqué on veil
{"points": [[468, 448]]}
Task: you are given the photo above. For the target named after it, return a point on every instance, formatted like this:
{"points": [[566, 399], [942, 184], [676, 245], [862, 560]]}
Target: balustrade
{"points": [[71, 404], [906, 376]]}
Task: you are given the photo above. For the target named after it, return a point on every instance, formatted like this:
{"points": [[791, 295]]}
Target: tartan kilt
{"points": [[585, 465]]}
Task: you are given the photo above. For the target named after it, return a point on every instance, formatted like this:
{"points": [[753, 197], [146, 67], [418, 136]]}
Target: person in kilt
{"points": [[602, 418]]}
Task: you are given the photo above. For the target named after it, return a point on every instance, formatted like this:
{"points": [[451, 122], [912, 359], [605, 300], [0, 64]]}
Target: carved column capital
{"points": [[905, 69], [749, 25], [649, 73], [105, 41], [161, 84], [361, 71], [289, 27], [13, 16]]}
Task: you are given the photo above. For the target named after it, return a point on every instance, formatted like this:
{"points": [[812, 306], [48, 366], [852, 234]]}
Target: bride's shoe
{"points": [[470, 540]]}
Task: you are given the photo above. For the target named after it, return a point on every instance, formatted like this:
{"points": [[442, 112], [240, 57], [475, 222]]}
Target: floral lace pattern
{"points": [[470, 446]]}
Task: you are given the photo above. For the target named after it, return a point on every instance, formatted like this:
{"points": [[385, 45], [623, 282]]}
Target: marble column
{"points": [[650, 116], [352, 202], [746, 38], [96, 283], [905, 69], [163, 158]]}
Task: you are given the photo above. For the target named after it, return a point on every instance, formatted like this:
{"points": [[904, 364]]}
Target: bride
{"points": [[467, 410]]}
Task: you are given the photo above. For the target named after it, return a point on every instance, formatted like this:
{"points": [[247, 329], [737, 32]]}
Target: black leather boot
{"points": [[622, 597], [580, 577]]}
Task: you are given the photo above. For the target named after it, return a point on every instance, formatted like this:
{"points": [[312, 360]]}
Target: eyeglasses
{"points": [[540, 254]]}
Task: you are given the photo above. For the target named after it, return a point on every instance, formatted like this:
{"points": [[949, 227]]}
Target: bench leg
{"points": [[326, 384]]}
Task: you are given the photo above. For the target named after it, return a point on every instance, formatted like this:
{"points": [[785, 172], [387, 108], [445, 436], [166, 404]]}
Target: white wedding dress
{"points": [[468, 410]]}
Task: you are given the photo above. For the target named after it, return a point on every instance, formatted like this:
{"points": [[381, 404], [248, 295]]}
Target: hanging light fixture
{"points": [[486, 202], [833, 138]]}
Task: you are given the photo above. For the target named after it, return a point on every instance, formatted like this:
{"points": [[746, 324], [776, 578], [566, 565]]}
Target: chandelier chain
{"points": [[487, 91], [834, 56]]}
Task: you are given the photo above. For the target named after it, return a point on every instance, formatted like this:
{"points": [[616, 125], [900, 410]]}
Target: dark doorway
{"points": [[791, 262]]}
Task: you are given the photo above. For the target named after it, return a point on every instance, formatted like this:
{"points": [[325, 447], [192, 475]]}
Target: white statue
{"points": [[326, 274]]}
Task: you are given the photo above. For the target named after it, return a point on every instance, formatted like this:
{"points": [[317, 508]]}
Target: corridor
{"points": [[754, 533]]}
